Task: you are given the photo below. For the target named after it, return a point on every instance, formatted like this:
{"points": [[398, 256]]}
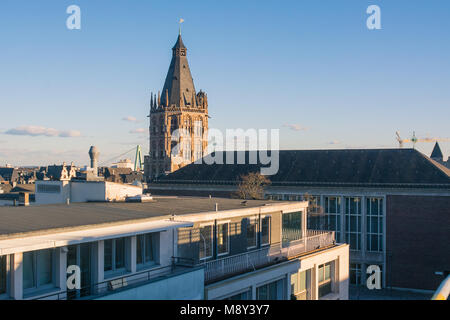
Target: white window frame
{"points": [[114, 270], [211, 224], [147, 264], [36, 270]]}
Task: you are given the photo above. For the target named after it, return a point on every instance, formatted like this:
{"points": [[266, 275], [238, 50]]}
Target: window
{"points": [[187, 150], [270, 291], [299, 286], [80, 255], [353, 222], [355, 274], [324, 279], [265, 231], [206, 242], [374, 223], [145, 249], [246, 295], [292, 226], [48, 188], [251, 233], [114, 255], [198, 152], [2, 274], [37, 268], [223, 239], [333, 215]]}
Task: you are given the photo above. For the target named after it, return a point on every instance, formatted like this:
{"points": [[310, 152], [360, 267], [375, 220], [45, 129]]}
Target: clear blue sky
{"points": [[264, 64]]}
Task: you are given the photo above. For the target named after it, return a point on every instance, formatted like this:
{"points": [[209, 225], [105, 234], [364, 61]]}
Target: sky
{"points": [[310, 68]]}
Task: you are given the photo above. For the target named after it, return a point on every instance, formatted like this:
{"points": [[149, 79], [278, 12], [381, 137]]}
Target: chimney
{"points": [[24, 199], [217, 207]]}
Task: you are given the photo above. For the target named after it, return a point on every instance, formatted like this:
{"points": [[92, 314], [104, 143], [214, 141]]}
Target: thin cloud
{"points": [[35, 131], [140, 130], [130, 119], [295, 127]]}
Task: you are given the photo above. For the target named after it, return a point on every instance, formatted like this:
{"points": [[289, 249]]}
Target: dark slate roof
{"points": [[54, 172], [365, 167], [179, 83], [437, 153], [9, 174]]}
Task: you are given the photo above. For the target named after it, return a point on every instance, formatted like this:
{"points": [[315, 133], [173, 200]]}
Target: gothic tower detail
{"points": [[178, 119]]}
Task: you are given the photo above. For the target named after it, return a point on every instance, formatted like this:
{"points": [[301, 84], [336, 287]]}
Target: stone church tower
{"points": [[178, 119]]}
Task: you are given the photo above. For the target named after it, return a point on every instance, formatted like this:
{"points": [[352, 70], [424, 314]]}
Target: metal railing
{"points": [[255, 259], [111, 285]]}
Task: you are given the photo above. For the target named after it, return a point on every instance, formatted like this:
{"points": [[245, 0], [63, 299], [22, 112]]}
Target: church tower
{"points": [[178, 119]]}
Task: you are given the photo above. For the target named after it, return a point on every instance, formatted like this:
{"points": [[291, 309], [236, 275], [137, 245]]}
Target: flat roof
{"points": [[44, 219]]}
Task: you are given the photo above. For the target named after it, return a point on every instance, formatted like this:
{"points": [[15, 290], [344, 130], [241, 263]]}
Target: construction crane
{"points": [[415, 140]]}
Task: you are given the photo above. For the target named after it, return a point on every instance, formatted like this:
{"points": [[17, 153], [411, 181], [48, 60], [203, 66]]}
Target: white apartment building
{"points": [[170, 248]]}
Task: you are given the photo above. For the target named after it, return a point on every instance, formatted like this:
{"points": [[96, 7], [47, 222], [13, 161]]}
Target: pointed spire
{"points": [[159, 99], [151, 100], [437, 153]]}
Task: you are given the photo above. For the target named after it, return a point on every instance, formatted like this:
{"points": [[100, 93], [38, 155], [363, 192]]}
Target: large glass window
{"points": [[223, 238], [333, 215], [270, 291], [2, 274], [265, 230], [251, 233], [292, 226], [37, 268], [355, 274], [374, 223], [80, 255], [114, 254], [324, 279], [145, 249], [353, 222], [206, 242]]}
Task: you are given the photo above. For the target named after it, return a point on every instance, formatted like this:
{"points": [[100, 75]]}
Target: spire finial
{"points": [[181, 21]]}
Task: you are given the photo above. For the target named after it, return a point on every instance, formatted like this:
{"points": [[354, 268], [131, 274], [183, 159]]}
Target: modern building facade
{"points": [[171, 248], [392, 206], [178, 119]]}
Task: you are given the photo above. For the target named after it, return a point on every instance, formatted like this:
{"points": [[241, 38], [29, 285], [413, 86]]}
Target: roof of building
{"points": [[437, 153], [9, 174], [351, 167], [37, 220], [179, 83]]}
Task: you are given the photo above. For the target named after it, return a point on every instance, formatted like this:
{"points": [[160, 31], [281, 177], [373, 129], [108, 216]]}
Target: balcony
{"points": [[216, 270], [120, 285]]}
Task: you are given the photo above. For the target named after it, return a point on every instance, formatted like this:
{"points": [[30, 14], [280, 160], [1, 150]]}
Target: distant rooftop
{"points": [[38, 220], [347, 168]]}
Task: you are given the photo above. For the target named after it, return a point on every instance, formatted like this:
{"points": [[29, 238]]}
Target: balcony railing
{"points": [[113, 285], [252, 260]]}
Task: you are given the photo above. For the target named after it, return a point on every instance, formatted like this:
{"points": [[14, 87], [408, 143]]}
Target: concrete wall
{"points": [[51, 197], [185, 286]]}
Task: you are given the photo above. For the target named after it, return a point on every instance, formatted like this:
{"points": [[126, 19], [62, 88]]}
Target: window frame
{"points": [[202, 226], [153, 241], [325, 281], [379, 216], [222, 223], [37, 286], [114, 270], [269, 236], [251, 221]]}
